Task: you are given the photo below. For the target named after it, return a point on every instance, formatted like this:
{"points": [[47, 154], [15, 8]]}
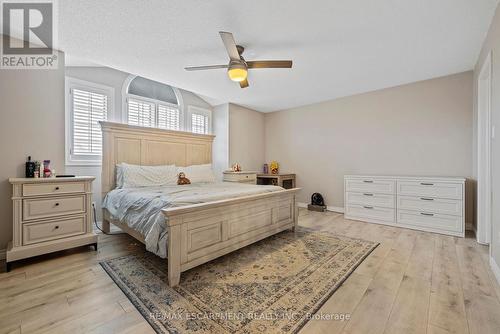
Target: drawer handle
{"points": [[57, 204], [426, 214], [367, 181], [56, 227], [368, 207], [57, 188], [426, 184], [426, 199], [366, 194]]}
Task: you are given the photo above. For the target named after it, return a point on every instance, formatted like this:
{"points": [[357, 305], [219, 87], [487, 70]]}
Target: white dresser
{"points": [[49, 215], [433, 204]]}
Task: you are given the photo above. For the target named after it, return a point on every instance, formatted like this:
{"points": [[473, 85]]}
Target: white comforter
{"points": [[140, 208]]}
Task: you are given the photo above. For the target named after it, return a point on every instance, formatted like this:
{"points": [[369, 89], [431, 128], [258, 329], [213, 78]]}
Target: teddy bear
{"points": [[182, 179]]}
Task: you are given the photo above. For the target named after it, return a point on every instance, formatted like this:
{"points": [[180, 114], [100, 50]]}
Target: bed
{"points": [[207, 220]]}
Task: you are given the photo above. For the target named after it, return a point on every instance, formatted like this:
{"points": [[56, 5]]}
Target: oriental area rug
{"points": [[273, 286]]}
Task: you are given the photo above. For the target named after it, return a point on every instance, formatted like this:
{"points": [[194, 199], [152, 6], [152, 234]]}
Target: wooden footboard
{"points": [[202, 232]]}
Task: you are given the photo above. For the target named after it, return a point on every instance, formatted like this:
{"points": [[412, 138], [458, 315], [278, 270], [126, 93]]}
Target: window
{"points": [[168, 117], [86, 105], [199, 120], [141, 113], [153, 104], [199, 123]]}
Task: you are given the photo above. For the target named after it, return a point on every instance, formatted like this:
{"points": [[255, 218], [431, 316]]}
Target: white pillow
{"points": [[199, 173], [133, 176]]}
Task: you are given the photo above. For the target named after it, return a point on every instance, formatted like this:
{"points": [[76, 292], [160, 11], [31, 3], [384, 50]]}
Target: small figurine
{"points": [[236, 167], [266, 169], [275, 167], [46, 168], [182, 179]]}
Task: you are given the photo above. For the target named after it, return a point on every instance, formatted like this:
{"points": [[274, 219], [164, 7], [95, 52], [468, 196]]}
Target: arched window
{"points": [[153, 104]]}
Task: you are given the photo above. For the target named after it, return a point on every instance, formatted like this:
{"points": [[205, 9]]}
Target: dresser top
{"points": [[408, 177], [15, 180]]}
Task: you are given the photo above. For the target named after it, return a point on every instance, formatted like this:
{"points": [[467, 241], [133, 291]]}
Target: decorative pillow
{"points": [[198, 173], [134, 176]]}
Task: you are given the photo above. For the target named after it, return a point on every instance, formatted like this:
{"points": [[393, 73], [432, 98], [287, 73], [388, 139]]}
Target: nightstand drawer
{"points": [[54, 206], [240, 177], [53, 188], [40, 232]]}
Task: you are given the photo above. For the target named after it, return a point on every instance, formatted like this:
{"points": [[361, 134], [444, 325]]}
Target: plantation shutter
{"points": [[199, 123], [88, 109], [141, 113], [168, 117]]}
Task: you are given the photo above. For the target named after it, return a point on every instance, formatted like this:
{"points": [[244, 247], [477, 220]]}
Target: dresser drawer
{"points": [[35, 208], [432, 205], [430, 189], [53, 188], [40, 232], [370, 199], [386, 215], [375, 186], [445, 223]]}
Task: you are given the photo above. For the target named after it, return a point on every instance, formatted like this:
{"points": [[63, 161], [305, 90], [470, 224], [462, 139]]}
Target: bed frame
{"points": [[201, 232]]}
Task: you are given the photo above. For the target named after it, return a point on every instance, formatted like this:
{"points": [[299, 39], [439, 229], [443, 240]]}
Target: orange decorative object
{"points": [[274, 167], [236, 167]]}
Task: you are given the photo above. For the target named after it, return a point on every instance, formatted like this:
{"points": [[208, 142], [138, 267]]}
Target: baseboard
{"points": [[495, 268], [337, 209], [3, 253]]}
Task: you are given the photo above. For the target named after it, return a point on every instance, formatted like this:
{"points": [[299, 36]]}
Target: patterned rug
{"points": [[273, 286]]}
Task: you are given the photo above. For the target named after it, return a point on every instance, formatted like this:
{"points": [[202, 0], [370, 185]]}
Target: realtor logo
{"points": [[28, 29]]}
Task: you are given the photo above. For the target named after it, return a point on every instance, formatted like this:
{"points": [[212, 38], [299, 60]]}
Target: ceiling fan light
{"points": [[237, 74]]}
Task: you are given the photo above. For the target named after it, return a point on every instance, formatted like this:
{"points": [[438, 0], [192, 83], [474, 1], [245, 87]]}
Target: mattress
{"points": [[140, 208]]}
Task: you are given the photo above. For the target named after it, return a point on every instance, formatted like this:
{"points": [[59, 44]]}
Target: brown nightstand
{"points": [[285, 180]]}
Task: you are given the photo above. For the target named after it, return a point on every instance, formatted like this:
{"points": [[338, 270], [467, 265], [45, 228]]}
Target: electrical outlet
{"points": [[492, 132]]}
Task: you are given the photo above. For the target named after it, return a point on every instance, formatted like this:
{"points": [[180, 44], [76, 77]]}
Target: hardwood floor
{"points": [[414, 282]]}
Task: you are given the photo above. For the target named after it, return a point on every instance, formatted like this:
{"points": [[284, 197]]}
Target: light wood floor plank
{"points": [[371, 314], [481, 303], [447, 307]]}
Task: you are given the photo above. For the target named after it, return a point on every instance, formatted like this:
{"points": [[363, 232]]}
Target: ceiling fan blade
{"points": [[244, 83], [230, 44], [270, 64], [208, 67]]}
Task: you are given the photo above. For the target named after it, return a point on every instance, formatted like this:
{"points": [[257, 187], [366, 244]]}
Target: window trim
{"points": [[73, 83], [198, 110]]}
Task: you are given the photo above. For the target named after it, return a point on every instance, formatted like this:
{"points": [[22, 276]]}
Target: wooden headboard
{"points": [[149, 147]]}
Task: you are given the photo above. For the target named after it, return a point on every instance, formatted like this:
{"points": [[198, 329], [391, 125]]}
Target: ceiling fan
{"points": [[237, 69]]}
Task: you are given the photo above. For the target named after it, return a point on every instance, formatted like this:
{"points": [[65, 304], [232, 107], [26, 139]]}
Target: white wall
{"points": [[424, 128], [492, 44], [246, 137], [32, 114]]}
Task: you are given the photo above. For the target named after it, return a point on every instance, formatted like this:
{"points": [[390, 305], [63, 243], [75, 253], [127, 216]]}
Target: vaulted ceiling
{"points": [[338, 47]]}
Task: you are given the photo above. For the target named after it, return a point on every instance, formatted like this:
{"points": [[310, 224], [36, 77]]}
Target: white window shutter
{"points": [[168, 117], [141, 113], [199, 123], [88, 109]]}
